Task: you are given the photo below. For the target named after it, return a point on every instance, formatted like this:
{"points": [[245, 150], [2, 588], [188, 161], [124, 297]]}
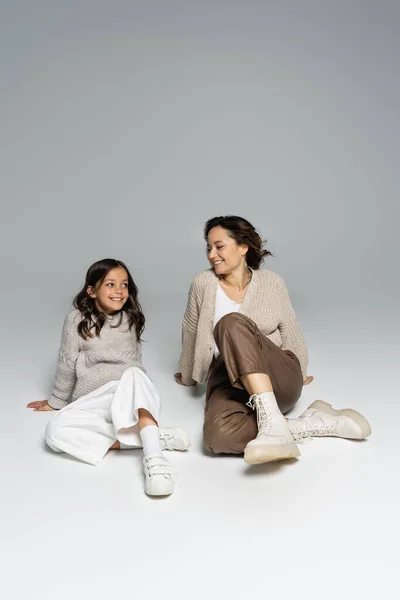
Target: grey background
{"points": [[124, 126]]}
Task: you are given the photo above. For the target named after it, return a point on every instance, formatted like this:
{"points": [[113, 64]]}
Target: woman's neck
{"points": [[239, 278]]}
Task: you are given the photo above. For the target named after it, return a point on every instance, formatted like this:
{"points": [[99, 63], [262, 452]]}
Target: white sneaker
{"points": [[274, 440], [320, 420], [172, 438], [158, 476]]}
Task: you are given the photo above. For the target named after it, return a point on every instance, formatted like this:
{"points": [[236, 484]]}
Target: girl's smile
{"points": [[111, 294]]}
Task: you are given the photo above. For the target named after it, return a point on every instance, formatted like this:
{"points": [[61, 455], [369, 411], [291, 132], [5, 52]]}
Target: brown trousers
{"points": [[228, 423]]}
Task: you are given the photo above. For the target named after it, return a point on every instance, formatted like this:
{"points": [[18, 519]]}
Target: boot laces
{"points": [[264, 416], [309, 430]]}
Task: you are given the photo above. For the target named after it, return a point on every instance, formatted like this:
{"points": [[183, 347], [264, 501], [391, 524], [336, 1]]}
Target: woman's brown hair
{"points": [[243, 232]]}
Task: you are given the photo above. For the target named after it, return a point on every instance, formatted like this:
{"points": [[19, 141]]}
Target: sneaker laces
{"points": [[264, 415]]}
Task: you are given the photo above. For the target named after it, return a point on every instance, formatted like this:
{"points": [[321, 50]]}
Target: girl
{"points": [[114, 403]]}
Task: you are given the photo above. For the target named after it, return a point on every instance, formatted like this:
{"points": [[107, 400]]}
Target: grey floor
{"points": [[325, 525], [124, 127]]}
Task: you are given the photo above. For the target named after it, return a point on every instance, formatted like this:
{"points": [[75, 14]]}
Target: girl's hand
{"points": [[308, 380], [40, 405]]}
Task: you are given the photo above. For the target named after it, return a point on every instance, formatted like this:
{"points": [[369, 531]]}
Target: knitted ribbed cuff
{"points": [[56, 403], [188, 381]]}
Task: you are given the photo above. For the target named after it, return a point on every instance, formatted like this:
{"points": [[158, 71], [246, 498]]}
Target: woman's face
{"points": [[223, 253]]}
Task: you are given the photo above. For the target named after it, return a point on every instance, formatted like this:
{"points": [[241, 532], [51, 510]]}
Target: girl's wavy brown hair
{"points": [[93, 319]]}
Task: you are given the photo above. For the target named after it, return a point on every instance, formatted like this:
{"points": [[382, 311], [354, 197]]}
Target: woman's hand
{"points": [[40, 405], [178, 379], [308, 380]]}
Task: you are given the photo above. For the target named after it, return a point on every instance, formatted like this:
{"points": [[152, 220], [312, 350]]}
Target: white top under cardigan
{"points": [[223, 306]]}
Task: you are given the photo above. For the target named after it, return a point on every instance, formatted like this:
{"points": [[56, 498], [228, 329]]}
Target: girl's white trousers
{"points": [[88, 427]]}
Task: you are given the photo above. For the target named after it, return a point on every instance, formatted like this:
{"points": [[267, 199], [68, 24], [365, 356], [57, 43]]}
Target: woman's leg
{"points": [[229, 424], [254, 360], [322, 420], [271, 377]]}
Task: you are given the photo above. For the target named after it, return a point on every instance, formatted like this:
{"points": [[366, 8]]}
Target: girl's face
{"points": [[111, 294], [223, 253]]}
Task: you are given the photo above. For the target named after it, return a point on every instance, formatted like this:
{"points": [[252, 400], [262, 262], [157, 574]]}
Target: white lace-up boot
{"points": [[321, 420], [158, 476], [274, 440]]}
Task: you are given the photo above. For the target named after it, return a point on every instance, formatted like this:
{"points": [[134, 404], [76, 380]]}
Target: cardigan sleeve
{"points": [[189, 331], [66, 363], [292, 337]]}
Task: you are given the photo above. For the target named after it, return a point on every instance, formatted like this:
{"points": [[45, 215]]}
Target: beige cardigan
{"points": [[266, 302]]}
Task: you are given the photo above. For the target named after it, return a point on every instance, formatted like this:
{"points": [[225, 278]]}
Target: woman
{"points": [[240, 334]]}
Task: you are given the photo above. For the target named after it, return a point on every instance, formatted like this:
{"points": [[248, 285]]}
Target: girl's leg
{"points": [[83, 428], [149, 433], [145, 419], [126, 411], [135, 413], [136, 406]]}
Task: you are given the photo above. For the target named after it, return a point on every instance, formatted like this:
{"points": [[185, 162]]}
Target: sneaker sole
{"points": [[347, 412], [158, 492], [270, 453]]}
